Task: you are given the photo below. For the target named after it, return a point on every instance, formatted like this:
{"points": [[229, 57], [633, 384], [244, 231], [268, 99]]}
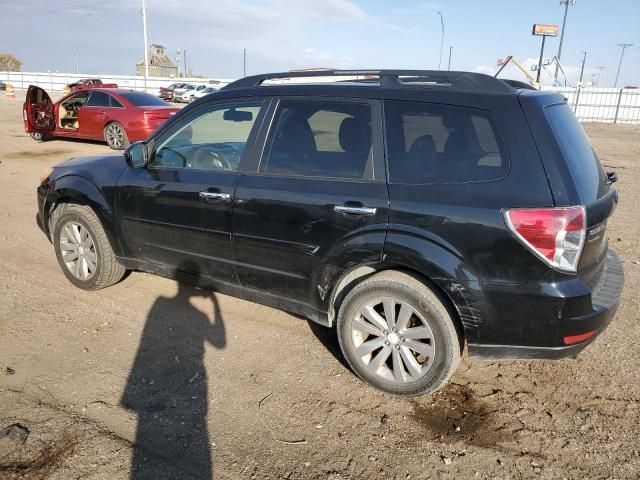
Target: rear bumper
{"points": [[604, 300]]}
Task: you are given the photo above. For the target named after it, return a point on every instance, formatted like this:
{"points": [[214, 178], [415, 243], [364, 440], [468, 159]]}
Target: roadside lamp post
{"points": [[75, 37], [566, 4], [441, 39], [146, 44]]}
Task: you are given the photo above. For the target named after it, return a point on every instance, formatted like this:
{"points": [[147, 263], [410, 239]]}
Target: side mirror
{"points": [[136, 155]]}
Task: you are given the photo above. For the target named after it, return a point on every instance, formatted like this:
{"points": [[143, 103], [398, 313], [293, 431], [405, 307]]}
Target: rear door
{"points": [[37, 111], [317, 204], [176, 212], [91, 117]]}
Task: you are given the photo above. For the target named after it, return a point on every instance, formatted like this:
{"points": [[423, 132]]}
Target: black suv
{"points": [[414, 210]]}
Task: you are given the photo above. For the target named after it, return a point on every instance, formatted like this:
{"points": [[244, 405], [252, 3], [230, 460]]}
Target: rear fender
{"points": [[76, 189], [439, 265]]}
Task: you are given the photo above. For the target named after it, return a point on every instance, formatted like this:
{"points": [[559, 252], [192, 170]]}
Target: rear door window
{"points": [[429, 143], [98, 99], [315, 138], [578, 153]]}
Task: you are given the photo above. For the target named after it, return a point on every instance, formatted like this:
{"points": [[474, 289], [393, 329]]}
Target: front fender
{"points": [[77, 189]]}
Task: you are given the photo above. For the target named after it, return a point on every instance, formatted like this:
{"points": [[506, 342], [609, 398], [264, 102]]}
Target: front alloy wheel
{"points": [[78, 250]]}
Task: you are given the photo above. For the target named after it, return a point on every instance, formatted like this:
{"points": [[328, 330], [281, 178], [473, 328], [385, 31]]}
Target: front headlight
{"points": [[45, 174]]}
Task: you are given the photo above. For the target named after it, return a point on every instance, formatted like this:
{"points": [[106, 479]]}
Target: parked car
{"points": [[116, 116], [189, 92], [199, 93], [86, 84], [416, 214], [180, 90], [166, 93]]}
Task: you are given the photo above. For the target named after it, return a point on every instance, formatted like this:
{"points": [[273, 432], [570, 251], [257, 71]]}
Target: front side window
{"points": [[212, 139], [98, 99], [429, 143], [328, 139]]}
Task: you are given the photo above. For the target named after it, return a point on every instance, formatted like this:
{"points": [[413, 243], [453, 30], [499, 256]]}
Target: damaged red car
{"points": [[115, 116]]}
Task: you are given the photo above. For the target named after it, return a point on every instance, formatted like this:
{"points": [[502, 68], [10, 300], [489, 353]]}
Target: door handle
{"points": [[215, 196], [366, 211]]}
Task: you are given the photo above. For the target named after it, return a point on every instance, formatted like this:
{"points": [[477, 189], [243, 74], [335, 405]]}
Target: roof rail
{"points": [[468, 81]]}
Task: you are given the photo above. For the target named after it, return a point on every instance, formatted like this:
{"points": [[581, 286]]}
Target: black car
{"points": [[416, 211]]}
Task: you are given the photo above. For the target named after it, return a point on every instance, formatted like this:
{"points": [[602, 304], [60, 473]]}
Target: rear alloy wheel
{"points": [[39, 136], [83, 250], [397, 335], [115, 136]]}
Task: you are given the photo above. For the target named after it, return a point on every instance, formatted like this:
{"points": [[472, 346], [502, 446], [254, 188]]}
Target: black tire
{"points": [[115, 142], [404, 289], [39, 136], [107, 270]]}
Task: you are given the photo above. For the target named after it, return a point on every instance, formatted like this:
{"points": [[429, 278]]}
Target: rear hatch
{"points": [[574, 172], [586, 177]]}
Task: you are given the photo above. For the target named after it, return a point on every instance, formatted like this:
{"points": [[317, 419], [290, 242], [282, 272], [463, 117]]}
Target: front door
{"points": [[317, 205], [37, 111], [176, 212]]}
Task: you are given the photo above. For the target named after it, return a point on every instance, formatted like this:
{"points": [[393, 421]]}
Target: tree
{"points": [[9, 63]]}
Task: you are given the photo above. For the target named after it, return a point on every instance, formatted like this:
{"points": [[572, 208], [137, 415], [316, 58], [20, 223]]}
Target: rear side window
{"points": [[320, 139], [114, 103], [98, 99], [582, 162], [140, 99], [429, 143]]}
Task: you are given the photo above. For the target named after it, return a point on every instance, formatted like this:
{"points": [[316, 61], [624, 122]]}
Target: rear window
{"points": [[581, 159], [140, 99], [429, 143]]}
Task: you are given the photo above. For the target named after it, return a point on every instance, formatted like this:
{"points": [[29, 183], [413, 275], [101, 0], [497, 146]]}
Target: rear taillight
{"points": [[555, 235]]}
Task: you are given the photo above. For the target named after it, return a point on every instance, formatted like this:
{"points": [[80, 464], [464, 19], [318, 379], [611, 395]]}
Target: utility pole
{"points": [[184, 52], [600, 73], [441, 40], [244, 62], [449, 66], [566, 4], [624, 47], [584, 58], [146, 43]]}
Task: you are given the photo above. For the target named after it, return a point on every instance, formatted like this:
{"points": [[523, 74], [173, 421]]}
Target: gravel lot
{"points": [[183, 383]]}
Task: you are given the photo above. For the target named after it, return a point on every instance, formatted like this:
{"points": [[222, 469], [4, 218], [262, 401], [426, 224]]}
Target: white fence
{"points": [[608, 105], [55, 82]]}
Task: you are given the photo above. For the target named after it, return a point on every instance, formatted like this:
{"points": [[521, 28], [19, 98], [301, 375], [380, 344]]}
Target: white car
{"points": [[188, 94], [201, 93]]}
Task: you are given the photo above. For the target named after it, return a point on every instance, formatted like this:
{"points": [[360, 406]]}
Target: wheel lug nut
{"points": [[385, 332], [387, 343], [402, 339], [397, 347], [394, 329]]}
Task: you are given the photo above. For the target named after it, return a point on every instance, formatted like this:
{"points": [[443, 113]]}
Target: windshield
{"points": [[581, 159], [140, 99]]}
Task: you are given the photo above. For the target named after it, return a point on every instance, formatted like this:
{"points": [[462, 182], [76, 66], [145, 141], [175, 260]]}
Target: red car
{"points": [[87, 84], [116, 116]]}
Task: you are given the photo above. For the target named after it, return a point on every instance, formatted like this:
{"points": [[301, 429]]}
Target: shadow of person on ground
{"points": [[167, 387]]}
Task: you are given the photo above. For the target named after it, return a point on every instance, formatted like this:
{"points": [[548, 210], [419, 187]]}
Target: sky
{"points": [[290, 34]]}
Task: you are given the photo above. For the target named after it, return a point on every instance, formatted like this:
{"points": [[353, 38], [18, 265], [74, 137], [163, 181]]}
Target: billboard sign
{"points": [[546, 29]]}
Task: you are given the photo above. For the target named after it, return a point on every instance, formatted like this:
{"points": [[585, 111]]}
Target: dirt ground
{"points": [[181, 383]]}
